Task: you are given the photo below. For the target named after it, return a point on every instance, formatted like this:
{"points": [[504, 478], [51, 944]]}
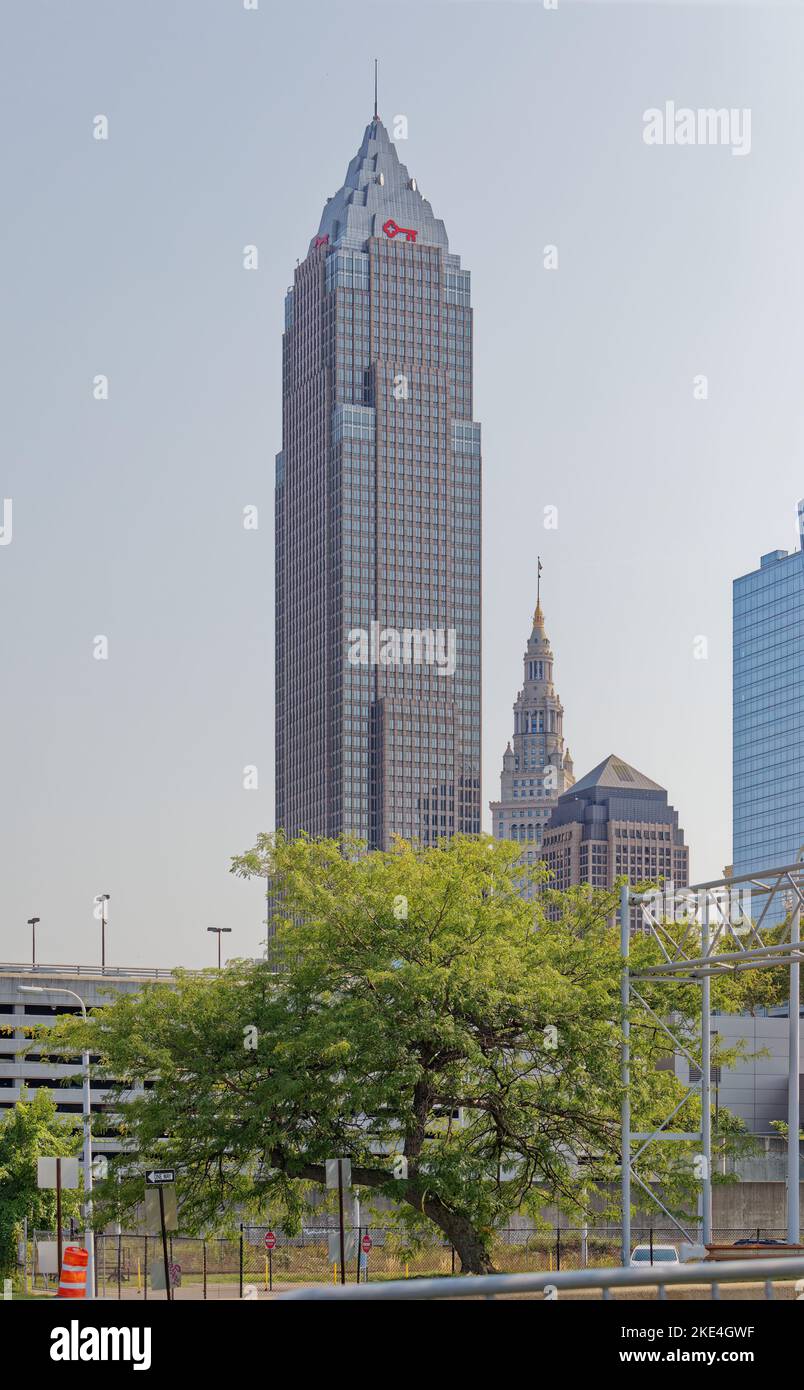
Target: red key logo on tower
{"points": [[392, 229]]}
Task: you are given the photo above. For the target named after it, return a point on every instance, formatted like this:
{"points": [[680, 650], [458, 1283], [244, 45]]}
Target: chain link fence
{"points": [[251, 1265]]}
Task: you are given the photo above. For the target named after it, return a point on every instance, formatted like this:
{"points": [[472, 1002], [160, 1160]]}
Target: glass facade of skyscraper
{"points": [[378, 523], [768, 695]]}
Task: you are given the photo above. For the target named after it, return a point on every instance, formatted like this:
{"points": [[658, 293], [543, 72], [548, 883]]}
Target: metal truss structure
{"points": [[728, 938]]}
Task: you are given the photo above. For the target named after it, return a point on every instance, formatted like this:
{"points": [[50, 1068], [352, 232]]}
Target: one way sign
{"points": [[157, 1177]]}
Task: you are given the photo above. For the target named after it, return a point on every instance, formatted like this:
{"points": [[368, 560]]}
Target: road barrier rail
{"points": [[553, 1285]]}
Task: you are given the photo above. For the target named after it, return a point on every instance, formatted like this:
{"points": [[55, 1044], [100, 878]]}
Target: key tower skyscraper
{"points": [[378, 522]]}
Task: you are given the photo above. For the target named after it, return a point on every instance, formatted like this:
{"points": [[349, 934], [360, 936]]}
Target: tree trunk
{"points": [[458, 1229], [473, 1255]]}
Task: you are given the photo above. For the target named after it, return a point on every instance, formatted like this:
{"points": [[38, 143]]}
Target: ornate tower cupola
{"points": [[536, 766]]}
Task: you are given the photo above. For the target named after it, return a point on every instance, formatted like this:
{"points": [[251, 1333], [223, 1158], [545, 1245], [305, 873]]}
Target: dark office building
{"points": [[378, 522], [615, 821]]}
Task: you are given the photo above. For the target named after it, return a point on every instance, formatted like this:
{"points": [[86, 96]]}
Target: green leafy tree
{"points": [[750, 991], [459, 1044], [31, 1130]]}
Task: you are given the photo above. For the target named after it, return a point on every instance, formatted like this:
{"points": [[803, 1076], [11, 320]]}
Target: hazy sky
{"points": [[123, 257]]}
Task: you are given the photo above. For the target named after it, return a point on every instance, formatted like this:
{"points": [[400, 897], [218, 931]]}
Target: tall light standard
{"points": [[219, 930], [88, 1237], [32, 921], [103, 899]]}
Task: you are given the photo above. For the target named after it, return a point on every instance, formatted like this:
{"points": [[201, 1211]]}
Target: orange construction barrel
{"points": [[73, 1281]]}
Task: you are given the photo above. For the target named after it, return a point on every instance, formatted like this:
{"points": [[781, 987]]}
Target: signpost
{"points": [[350, 1245], [45, 1256], [270, 1244], [339, 1174], [58, 1173], [159, 1179], [153, 1210]]}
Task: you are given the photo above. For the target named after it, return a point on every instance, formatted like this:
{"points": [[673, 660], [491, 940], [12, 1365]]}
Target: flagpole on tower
{"points": [[376, 117]]}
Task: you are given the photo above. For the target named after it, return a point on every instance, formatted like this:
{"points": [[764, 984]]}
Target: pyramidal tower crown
{"points": [[378, 197]]}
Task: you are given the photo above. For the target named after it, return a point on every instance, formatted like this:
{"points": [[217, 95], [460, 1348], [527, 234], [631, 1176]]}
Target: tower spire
{"points": [[538, 615], [376, 64]]}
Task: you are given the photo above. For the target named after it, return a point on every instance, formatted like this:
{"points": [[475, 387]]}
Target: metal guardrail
{"points": [[134, 972], [494, 1285]]}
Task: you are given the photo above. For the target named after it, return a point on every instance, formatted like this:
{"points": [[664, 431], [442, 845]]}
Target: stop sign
{"points": [[366, 1243], [270, 1240]]}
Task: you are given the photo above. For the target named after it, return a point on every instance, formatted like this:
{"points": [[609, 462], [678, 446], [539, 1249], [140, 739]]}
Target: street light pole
{"points": [[218, 930], [103, 899], [87, 1107], [794, 1068], [32, 921], [625, 1075]]}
